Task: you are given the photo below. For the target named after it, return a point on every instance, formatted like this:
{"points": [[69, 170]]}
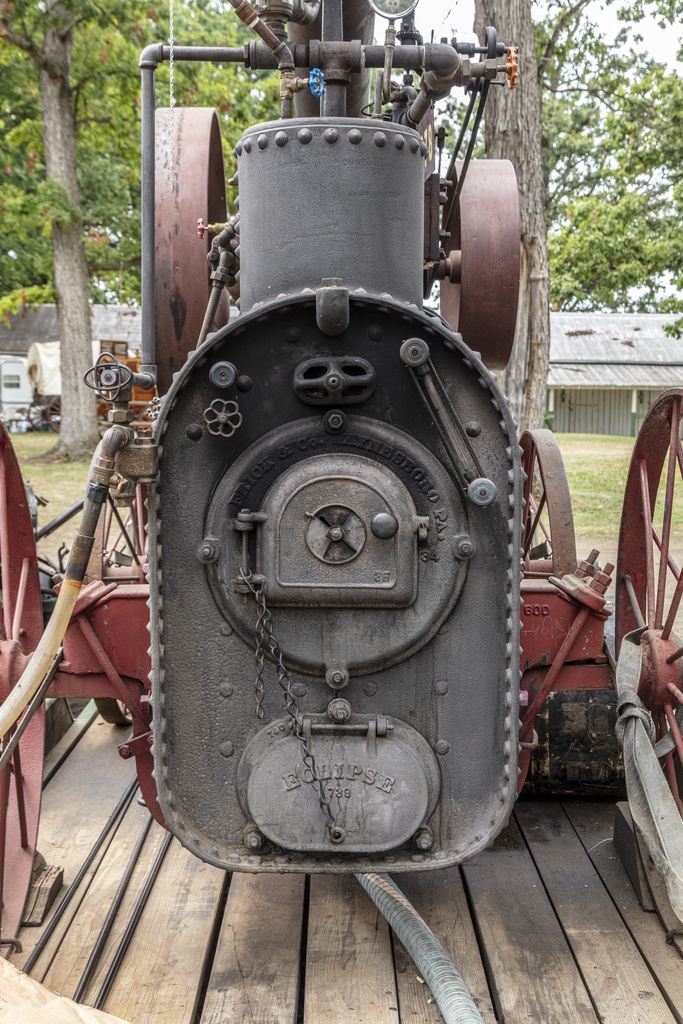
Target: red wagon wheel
{"points": [[21, 627], [548, 540], [650, 576]]}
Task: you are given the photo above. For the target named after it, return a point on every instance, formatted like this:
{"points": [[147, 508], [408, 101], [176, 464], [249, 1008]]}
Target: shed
{"points": [[110, 324], [606, 370]]}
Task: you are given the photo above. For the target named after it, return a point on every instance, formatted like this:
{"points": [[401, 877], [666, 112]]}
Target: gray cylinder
{"points": [[333, 198]]}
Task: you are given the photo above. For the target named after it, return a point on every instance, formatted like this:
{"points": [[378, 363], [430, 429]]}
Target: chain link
{"points": [[264, 636], [171, 97]]}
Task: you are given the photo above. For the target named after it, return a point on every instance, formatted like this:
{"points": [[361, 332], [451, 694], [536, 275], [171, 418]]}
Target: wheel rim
{"points": [[21, 626], [548, 541], [649, 580]]}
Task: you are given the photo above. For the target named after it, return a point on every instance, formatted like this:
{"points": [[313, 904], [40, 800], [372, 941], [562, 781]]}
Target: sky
{"points": [[456, 17]]}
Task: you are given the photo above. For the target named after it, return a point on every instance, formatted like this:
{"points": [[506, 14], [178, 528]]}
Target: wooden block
{"points": [[530, 966], [45, 885], [349, 969], [626, 845], [593, 823], [620, 983], [439, 898], [255, 974], [161, 976]]}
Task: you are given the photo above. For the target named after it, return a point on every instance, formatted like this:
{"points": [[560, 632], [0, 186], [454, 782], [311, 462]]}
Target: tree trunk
{"points": [[513, 131], [78, 433]]}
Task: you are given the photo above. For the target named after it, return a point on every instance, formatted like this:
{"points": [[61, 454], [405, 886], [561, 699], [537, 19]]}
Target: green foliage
{"points": [[613, 145], [106, 108]]}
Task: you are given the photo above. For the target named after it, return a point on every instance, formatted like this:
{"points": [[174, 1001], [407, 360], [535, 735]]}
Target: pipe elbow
{"points": [[116, 437], [152, 56], [305, 11]]}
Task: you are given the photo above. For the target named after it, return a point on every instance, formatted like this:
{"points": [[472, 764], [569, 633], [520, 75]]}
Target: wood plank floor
{"points": [[544, 926]]}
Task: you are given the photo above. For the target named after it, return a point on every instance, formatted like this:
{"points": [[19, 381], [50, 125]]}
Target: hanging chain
{"points": [[171, 97], [264, 636]]}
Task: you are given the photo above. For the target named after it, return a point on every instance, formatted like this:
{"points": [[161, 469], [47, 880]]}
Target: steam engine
{"points": [[335, 535]]}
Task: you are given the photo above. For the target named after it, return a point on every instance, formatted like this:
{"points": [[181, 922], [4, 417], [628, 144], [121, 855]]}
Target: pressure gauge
{"points": [[393, 9]]}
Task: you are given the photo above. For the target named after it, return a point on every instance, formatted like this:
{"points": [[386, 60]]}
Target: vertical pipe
{"points": [[148, 326], [333, 102]]}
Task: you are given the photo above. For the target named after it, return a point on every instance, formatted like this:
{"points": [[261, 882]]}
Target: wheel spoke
{"points": [[534, 526], [671, 687], [675, 731], [635, 607], [21, 804], [4, 553], [668, 510], [649, 559], [670, 562], [21, 597]]}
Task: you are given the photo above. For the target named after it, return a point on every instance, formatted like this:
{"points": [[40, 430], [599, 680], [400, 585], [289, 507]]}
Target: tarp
{"points": [[25, 1001], [43, 366]]}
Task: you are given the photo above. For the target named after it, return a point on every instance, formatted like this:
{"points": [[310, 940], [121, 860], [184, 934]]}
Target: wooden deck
{"points": [[545, 926]]}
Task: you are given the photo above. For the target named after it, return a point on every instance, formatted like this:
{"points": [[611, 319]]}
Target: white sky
{"points": [[456, 17]]}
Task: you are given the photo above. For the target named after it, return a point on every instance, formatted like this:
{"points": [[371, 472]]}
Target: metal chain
{"points": [[264, 628], [171, 97]]}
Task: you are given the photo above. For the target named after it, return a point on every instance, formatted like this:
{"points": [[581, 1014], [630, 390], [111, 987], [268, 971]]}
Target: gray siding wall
{"points": [[599, 410]]}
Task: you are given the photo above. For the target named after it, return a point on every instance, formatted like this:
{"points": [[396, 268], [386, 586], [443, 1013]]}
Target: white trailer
{"points": [[15, 389]]}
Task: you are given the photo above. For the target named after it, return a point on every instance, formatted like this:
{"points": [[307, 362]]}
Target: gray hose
{"points": [[446, 985]]}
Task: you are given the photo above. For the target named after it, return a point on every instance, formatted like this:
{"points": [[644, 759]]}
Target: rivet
{"points": [[355, 136], [194, 432], [380, 139], [441, 686], [370, 689], [292, 334], [423, 149], [227, 748], [247, 145], [281, 139], [304, 136], [399, 141], [442, 746], [300, 689], [226, 630], [374, 332], [226, 690], [331, 135], [237, 151], [414, 146], [262, 141]]}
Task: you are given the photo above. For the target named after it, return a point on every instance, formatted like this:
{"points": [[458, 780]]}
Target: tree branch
{"points": [[562, 24], [23, 43], [102, 268]]}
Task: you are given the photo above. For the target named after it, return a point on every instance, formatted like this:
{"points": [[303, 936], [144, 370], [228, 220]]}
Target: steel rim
{"points": [[547, 520], [649, 580]]}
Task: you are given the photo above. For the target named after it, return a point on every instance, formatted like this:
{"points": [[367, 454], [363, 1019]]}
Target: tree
{"points": [[513, 131], [69, 96]]}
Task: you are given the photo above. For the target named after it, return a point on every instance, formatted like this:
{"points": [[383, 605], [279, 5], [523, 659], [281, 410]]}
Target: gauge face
{"points": [[393, 8]]}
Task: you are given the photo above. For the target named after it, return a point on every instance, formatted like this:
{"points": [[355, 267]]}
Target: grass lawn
{"points": [[60, 483], [596, 466]]}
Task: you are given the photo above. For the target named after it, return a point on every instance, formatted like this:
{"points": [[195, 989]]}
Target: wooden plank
{"points": [[255, 973], [593, 821], [75, 807], [160, 978], [531, 970], [439, 897], [61, 750], [621, 986], [92, 904], [349, 970]]}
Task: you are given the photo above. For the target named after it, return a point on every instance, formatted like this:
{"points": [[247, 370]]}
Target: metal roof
{"points": [[613, 350], [109, 323]]}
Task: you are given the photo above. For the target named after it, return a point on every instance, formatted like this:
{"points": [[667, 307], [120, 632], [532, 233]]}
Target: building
{"points": [[606, 370]]}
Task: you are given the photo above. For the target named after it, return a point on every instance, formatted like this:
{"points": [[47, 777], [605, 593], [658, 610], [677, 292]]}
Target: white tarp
{"points": [[43, 366], [25, 1001]]}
